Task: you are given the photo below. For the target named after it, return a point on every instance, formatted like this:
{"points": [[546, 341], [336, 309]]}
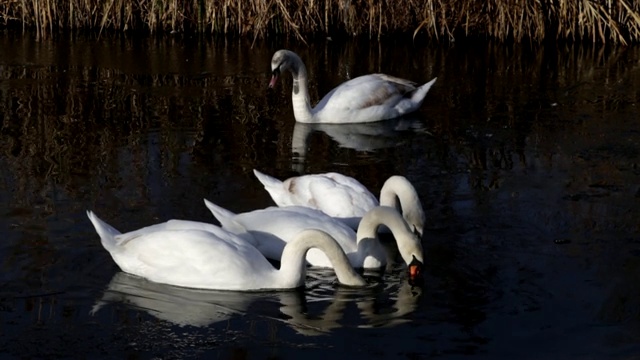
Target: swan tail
{"points": [[421, 92], [106, 232], [225, 217], [228, 223], [266, 180]]}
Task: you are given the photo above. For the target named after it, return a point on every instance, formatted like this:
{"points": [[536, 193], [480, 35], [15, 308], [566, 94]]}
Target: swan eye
{"points": [[416, 232]]}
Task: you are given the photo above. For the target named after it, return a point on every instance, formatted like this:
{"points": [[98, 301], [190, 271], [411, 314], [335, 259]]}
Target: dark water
{"points": [[526, 160]]}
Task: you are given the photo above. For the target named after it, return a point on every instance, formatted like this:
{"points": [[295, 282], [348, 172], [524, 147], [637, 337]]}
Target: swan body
{"points": [[366, 98], [217, 259], [274, 227], [345, 198]]}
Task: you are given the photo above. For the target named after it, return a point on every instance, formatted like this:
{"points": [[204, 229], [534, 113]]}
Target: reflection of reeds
{"points": [[107, 121], [615, 21], [57, 127]]}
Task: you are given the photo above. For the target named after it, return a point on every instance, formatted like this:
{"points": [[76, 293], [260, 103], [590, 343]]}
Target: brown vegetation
{"points": [[616, 21], [59, 130]]}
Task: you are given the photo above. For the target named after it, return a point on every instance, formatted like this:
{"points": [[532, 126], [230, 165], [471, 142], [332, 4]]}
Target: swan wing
{"points": [[176, 224], [366, 91], [192, 258], [334, 194], [273, 227], [341, 196], [240, 238], [337, 195]]}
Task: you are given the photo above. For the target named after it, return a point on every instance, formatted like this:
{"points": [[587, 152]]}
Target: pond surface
{"points": [[527, 161]]}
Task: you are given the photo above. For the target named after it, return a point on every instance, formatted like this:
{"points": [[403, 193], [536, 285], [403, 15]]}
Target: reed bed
{"points": [[603, 21]]}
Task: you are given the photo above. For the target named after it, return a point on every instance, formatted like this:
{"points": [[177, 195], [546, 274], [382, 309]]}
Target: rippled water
{"points": [[526, 161]]}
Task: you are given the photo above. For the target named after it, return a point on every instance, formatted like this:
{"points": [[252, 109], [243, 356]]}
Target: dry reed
{"points": [[616, 21]]}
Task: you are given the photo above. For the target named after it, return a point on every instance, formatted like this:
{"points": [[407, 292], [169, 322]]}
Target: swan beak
{"points": [[415, 270], [274, 78]]}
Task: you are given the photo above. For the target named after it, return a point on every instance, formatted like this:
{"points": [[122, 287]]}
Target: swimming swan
{"points": [[345, 198], [366, 98], [274, 227], [197, 258]]}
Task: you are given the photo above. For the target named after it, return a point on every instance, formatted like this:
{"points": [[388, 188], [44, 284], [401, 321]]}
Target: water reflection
{"points": [[180, 306], [360, 137], [316, 311], [529, 145]]}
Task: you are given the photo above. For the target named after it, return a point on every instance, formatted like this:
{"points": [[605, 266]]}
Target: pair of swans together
{"points": [[201, 255]]}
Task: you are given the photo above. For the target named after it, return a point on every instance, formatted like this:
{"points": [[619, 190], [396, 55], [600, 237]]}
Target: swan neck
{"points": [[302, 110], [381, 215], [408, 245], [397, 192], [293, 263]]}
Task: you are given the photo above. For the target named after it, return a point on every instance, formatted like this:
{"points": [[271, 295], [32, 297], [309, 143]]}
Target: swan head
{"points": [[281, 61], [410, 248]]}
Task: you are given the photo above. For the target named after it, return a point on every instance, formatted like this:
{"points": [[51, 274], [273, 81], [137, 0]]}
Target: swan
{"points": [[274, 228], [217, 259], [344, 197], [366, 98]]}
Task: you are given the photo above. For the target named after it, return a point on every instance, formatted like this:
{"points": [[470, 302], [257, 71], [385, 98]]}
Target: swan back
{"points": [[273, 227], [336, 195], [370, 98], [195, 259]]}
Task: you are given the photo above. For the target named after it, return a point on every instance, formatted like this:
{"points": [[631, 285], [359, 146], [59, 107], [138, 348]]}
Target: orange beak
{"points": [[415, 270]]}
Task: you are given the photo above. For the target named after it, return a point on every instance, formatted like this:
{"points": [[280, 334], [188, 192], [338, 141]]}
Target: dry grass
{"points": [[616, 21]]}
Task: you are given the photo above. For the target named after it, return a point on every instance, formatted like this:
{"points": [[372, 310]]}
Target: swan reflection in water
{"points": [[360, 137], [201, 308]]}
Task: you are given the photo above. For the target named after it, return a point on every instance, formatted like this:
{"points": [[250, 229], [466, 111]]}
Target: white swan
{"points": [[217, 259], [344, 197], [274, 227], [366, 98]]}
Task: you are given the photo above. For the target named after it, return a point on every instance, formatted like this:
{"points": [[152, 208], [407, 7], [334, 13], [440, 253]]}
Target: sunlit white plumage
{"points": [[344, 197], [366, 98], [272, 228], [208, 257]]}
